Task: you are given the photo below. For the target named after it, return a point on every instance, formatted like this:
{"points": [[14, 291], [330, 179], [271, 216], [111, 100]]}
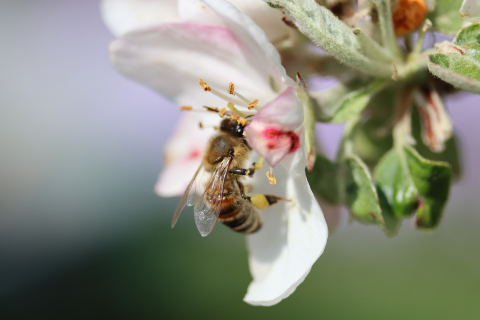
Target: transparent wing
{"points": [[208, 209], [188, 196]]}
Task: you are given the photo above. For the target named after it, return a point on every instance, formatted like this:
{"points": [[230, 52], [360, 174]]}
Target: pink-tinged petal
{"points": [[270, 20], [437, 126], [184, 153], [292, 238], [262, 54], [275, 130], [170, 58], [122, 16]]}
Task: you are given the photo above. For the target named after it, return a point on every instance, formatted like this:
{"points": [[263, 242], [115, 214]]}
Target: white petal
{"points": [[122, 16], [263, 54], [170, 58], [267, 18], [184, 153], [293, 236], [470, 10]]}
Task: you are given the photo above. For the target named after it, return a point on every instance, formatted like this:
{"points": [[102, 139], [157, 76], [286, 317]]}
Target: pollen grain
{"points": [[231, 88], [252, 104], [204, 85]]}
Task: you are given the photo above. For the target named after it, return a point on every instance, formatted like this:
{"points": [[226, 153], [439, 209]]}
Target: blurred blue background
{"points": [[82, 235]]}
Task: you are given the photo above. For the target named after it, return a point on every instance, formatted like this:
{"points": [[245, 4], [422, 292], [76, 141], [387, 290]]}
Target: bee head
{"points": [[232, 126]]}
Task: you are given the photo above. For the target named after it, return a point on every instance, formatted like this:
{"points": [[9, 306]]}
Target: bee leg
{"points": [[262, 201], [243, 172]]}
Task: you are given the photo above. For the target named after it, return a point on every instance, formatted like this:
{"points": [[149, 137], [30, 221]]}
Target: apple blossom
{"points": [[122, 16], [221, 45]]}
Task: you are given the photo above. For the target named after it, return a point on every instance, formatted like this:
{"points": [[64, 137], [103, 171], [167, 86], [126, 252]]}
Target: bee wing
{"points": [[208, 209], [188, 196]]}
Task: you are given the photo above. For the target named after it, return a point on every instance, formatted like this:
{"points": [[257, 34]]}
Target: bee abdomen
{"points": [[246, 220]]}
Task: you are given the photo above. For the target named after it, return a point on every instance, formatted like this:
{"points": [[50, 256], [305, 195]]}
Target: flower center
{"points": [[277, 138]]}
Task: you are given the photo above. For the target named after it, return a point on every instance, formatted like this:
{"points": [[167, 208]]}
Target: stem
{"points": [[421, 37], [389, 37]]}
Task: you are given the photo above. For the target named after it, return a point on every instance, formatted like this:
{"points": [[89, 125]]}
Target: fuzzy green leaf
{"points": [[412, 184], [458, 63], [333, 36], [345, 101], [445, 18], [361, 196], [324, 179]]}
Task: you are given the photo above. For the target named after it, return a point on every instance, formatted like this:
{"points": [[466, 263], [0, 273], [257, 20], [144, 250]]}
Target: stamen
{"points": [[242, 97], [231, 88], [227, 98], [186, 108], [242, 121], [204, 85], [271, 178], [259, 164], [212, 109], [221, 113], [200, 124], [231, 106], [252, 104]]}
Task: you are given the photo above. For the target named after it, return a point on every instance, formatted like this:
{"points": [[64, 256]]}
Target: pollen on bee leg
{"points": [[259, 163], [204, 85], [186, 108], [259, 201], [222, 111], [271, 178]]}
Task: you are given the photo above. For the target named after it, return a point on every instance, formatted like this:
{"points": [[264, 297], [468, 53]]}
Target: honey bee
{"points": [[225, 197]]}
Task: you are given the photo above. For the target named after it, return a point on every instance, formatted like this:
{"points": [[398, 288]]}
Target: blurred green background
{"points": [[83, 236]]}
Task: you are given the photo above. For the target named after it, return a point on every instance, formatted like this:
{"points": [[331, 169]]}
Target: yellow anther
{"points": [[271, 178], [259, 201], [252, 104], [234, 116], [221, 113], [204, 85], [231, 88], [185, 108], [242, 121], [200, 124]]}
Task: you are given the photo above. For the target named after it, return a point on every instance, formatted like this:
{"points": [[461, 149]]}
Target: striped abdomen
{"points": [[237, 213]]}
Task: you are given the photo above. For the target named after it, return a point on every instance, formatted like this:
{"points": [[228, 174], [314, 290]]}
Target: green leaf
{"points": [[333, 36], [432, 180], [445, 18], [394, 179], [469, 35], [373, 138], [342, 102], [456, 69], [412, 184], [370, 143], [459, 63], [361, 195], [324, 179]]}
